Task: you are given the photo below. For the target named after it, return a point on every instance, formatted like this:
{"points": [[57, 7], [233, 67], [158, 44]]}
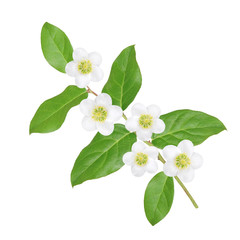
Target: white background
{"points": [[189, 55]]}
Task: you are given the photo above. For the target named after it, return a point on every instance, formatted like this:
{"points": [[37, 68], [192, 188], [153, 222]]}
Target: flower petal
{"points": [[151, 166], [86, 107], [114, 113], [186, 146], [137, 170], [132, 124], [128, 158], [152, 152], [95, 58], [170, 152], [88, 124], [105, 128], [154, 110], [158, 126], [186, 175], [97, 74], [144, 135], [138, 147], [170, 169], [196, 160], [138, 109], [103, 99], [82, 80], [79, 54], [71, 69]]}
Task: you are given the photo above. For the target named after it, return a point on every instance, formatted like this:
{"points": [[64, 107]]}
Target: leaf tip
{"points": [[223, 126], [132, 46], [30, 129], [152, 222], [45, 25], [73, 183]]}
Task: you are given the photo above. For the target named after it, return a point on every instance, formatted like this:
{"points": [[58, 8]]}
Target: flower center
{"points": [[99, 114], [182, 161], [145, 121], [141, 159], [85, 66]]}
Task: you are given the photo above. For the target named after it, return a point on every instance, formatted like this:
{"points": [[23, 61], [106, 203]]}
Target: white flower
{"points": [[145, 121], [100, 114], [181, 160], [85, 67], [141, 159]]}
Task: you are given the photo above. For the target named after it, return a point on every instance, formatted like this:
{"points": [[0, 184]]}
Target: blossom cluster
{"points": [[101, 115]]}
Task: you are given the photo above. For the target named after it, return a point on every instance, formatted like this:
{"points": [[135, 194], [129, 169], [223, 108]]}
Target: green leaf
{"points": [[187, 124], [158, 197], [56, 47], [125, 78], [103, 155], [52, 113]]}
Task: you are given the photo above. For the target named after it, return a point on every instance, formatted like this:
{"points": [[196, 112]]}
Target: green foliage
{"points": [[187, 124], [103, 155], [125, 78], [52, 113], [158, 197], [56, 47]]}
